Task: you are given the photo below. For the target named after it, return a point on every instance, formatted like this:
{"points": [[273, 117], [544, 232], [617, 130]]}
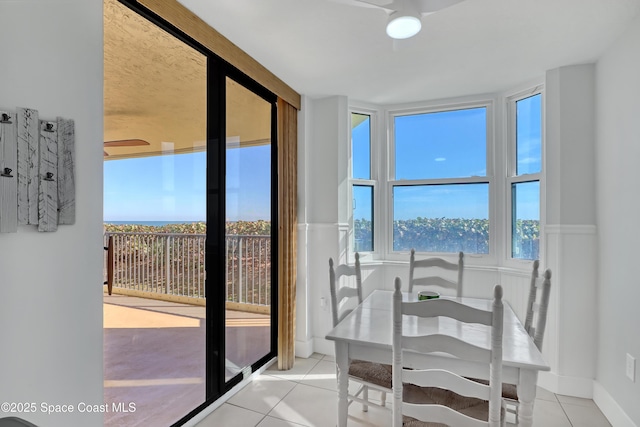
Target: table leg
{"points": [[526, 396], [342, 362]]}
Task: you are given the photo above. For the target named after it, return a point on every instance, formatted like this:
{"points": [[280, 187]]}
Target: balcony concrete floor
{"points": [[154, 357]]}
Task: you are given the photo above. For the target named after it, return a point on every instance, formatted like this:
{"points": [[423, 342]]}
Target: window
{"points": [[525, 170], [440, 185], [362, 184], [431, 185]]}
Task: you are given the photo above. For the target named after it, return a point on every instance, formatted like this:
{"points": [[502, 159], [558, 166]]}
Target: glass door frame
{"points": [[217, 72], [216, 214]]}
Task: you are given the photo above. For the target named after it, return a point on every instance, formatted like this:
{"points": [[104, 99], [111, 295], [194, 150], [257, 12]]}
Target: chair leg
{"points": [[503, 419], [365, 396], [511, 407]]}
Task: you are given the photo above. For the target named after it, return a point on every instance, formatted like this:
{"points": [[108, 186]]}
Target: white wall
{"points": [[326, 122], [618, 152], [51, 283], [570, 229]]}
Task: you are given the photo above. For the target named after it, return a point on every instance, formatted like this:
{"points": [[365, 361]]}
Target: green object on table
{"points": [[424, 295]]}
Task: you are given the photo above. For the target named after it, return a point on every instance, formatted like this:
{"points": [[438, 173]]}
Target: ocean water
{"points": [[154, 223]]}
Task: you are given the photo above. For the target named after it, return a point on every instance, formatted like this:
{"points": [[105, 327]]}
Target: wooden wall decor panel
{"points": [[8, 173], [28, 163], [66, 172], [48, 194], [37, 171], [189, 23]]}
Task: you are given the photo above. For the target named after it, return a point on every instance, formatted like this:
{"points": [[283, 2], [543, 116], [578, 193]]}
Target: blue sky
{"points": [[173, 187], [436, 145]]}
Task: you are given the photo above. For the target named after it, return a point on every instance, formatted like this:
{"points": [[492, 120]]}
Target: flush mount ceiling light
{"points": [[403, 25]]}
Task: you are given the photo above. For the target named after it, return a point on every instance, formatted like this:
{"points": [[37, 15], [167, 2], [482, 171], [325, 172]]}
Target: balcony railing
{"points": [[174, 264]]}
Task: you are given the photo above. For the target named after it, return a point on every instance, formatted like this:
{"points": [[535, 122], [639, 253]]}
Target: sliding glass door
{"points": [[189, 140], [249, 229], [155, 176]]}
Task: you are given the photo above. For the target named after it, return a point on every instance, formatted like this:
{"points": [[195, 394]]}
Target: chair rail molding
{"points": [[570, 229]]}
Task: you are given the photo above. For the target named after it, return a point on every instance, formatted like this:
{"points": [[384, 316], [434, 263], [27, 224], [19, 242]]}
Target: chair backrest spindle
{"points": [[536, 316]]}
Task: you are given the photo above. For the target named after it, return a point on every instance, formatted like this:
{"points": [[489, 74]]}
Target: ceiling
{"points": [[155, 93], [327, 47]]}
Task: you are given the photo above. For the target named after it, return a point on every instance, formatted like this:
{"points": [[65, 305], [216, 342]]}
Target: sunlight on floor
{"points": [[124, 317], [152, 382]]}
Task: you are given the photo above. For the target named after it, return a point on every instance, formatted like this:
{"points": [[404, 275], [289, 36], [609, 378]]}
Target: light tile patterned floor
{"points": [[306, 397]]}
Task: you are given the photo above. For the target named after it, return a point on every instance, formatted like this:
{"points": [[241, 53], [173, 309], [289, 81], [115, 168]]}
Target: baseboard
{"points": [[610, 408], [324, 346], [568, 386], [304, 349]]}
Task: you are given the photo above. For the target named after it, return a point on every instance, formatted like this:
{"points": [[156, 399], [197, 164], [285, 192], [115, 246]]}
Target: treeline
{"points": [[252, 228], [450, 235]]}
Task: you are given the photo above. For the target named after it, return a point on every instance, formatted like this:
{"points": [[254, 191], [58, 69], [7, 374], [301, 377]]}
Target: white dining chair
{"points": [[537, 305], [368, 375], [439, 266], [426, 397], [535, 325]]}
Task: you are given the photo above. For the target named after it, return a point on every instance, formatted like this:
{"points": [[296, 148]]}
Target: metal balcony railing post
{"points": [[167, 265], [240, 275]]}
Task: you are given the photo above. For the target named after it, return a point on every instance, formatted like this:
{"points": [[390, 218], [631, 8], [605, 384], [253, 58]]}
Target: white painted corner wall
{"points": [[570, 240], [618, 204], [51, 283]]}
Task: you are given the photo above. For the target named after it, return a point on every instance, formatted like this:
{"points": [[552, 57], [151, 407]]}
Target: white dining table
{"points": [[365, 334]]}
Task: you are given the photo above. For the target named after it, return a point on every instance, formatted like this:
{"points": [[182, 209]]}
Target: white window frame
{"points": [[511, 167], [501, 164], [489, 178], [374, 144]]}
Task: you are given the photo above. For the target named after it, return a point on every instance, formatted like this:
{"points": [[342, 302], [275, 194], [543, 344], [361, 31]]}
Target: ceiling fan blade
{"points": [[376, 4], [430, 6], [421, 6], [126, 143]]}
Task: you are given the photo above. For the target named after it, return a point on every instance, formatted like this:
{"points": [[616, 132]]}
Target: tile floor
{"points": [[306, 396]]}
